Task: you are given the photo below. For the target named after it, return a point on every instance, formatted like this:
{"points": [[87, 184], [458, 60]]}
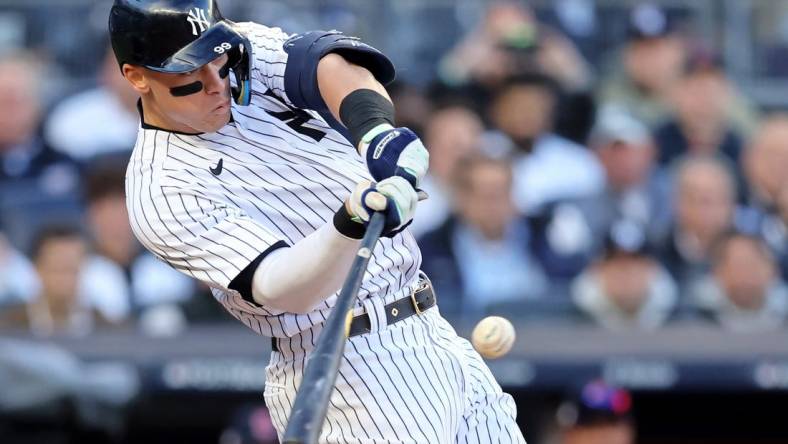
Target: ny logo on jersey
{"points": [[197, 18], [295, 118]]}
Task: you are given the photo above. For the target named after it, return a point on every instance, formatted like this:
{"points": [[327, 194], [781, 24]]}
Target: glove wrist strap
{"points": [[346, 226], [371, 134]]}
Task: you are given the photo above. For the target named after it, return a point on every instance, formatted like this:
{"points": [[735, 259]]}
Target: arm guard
{"points": [[304, 53]]}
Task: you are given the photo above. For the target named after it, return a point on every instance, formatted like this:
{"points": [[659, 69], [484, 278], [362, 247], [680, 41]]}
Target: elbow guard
{"points": [[304, 53]]}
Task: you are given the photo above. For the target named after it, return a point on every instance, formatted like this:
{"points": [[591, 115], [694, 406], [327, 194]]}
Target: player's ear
{"points": [[136, 77]]}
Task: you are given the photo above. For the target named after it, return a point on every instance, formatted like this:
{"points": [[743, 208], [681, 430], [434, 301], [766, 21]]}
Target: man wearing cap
{"points": [[596, 414], [635, 188], [626, 288], [652, 60]]}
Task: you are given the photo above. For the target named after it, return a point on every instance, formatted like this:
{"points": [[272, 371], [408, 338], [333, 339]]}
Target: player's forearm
{"points": [[298, 278], [337, 78]]}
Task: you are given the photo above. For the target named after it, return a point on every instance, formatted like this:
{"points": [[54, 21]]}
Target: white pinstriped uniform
{"points": [[210, 204]]}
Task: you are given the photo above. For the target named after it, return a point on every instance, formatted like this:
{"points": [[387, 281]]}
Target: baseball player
{"points": [[260, 158]]}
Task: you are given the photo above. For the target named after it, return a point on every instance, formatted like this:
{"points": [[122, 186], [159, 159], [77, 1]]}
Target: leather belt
{"points": [[419, 301]]}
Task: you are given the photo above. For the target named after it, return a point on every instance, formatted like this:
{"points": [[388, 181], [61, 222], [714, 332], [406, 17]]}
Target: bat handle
{"points": [[374, 230], [309, 409]]}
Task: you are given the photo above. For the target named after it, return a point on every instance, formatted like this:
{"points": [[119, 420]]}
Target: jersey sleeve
{"points": [[269, 58], [211, 241]]}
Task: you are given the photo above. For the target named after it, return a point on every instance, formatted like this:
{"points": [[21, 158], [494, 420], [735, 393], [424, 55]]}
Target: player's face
{"points": [[198, 101]]}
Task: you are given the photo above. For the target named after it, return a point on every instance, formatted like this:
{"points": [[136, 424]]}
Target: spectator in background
{"points": [[765, 163], [482, 59], [450, 134], [23, 153], [700, 124], [481, 255], [598, 414], [509, 42], [117, 265], [563, 241], [35, 181], [59, 255], [548, 167], [19, 282], [627, 288], [651, 63], [704, 201], [98, 121], [635, 189], [744, 291], [775, 232]]}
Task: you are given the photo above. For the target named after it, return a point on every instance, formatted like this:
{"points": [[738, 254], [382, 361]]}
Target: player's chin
{"points": [[216, 120]]}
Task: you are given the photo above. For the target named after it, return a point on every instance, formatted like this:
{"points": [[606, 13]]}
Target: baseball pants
{"points": [[414, 381]]}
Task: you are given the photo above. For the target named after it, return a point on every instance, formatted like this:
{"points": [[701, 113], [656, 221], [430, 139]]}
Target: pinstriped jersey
{"points": [[210, 204]]}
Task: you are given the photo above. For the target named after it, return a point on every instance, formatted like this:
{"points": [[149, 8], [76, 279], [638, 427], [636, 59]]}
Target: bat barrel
{"points": [[311, 403]]}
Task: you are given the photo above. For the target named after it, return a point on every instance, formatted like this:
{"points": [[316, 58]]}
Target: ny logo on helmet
{"points": [[197, 18]]}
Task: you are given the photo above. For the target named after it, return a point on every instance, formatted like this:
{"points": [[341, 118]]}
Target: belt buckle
{"points": [[421, 286]]}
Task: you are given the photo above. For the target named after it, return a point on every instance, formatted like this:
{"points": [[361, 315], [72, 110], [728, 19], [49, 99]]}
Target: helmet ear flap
{"points": [[240, 64]]}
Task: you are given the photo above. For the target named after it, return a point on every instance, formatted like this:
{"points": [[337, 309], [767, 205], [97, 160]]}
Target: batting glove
{"points": [[395, 152], [395, 197]]}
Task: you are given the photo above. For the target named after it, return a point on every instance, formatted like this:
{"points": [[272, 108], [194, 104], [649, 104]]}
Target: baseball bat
{"points": [[311, 402]]}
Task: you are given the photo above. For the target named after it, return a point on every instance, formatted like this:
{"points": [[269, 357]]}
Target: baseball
{"points": [[493, 337]]}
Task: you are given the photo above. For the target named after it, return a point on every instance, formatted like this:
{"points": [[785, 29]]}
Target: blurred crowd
{"points": [[650, 192]]}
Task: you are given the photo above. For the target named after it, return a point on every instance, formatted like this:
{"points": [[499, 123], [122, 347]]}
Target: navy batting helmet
{"points": [[178, 36]]}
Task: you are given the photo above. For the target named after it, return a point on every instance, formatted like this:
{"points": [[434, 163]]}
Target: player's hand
{"points": [[395, 152], [395, 197]]}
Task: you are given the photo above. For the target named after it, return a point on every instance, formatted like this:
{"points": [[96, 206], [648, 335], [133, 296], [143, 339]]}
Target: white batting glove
{"points": [[394, 196]]}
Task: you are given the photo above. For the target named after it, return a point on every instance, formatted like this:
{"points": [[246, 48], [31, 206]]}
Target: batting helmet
{"points": [[177, 36]]}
